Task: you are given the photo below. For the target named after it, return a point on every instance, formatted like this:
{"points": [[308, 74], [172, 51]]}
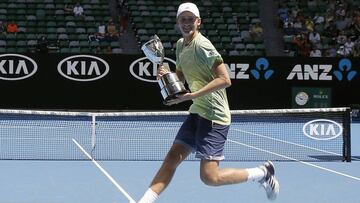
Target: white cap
{"points": [[188, 7]]}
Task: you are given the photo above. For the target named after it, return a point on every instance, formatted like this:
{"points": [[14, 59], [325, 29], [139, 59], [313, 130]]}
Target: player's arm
{"points": [[221, 80]]}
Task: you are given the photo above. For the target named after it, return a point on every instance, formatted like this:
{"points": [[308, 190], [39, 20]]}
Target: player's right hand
{"points": [[162, 70]]}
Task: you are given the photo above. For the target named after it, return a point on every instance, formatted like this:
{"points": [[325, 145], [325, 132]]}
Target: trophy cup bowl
{"points": [[170, 85]]}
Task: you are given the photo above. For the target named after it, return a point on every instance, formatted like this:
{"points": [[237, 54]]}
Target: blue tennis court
{"points": [[61, 171]]}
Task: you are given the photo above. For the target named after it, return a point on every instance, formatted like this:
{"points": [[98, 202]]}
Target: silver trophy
{"points": [[169, 83]]}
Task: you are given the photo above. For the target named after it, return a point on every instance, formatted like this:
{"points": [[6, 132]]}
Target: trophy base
{"points": [[171, 86], [169, 98]]}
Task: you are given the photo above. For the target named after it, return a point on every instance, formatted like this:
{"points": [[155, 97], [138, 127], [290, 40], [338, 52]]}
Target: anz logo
{"points": [[344, 71], [310, 72], [262, 70], [322, 129], [322, 72], [145, 70], [16, 67], [83, 68]]}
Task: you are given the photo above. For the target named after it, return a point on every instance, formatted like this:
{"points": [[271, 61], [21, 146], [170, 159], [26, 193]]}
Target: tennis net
{"points": [[321, 134]]}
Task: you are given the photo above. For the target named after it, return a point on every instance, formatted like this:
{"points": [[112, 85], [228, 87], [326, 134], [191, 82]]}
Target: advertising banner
{"points": [[128, 82]]}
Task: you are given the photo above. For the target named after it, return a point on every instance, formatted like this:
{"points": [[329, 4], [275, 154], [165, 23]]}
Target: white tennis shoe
{"points": [[269, 182]]}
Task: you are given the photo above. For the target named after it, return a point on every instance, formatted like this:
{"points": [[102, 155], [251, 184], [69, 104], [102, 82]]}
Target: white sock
{"points": [[149, 197], [255, 174]]}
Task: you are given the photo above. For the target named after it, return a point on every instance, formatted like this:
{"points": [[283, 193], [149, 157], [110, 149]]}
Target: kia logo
{"points": [[143, 69], [322, 129], [83, 68], [16, 67]]}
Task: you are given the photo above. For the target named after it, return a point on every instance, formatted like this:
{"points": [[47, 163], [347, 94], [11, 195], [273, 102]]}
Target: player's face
{"points": [[188, 23]]}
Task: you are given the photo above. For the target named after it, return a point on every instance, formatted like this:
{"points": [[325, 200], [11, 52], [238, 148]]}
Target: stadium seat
{"points": [[94, 44], [147, 17], [234, 53], [219, 20], [240, 46], [2, 43], [74, 44], [21, 44]]}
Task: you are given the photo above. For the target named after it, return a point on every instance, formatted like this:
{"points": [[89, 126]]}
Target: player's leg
{"points": [[175, 156], [210, 143], [212, 174], [181, 148], [164, 175]]}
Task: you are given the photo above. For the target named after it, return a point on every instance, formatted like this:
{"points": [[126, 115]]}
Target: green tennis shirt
{"points": [[195, 60]]}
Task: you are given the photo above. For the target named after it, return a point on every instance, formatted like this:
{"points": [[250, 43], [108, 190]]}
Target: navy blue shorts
{"points": [[202, 136]]}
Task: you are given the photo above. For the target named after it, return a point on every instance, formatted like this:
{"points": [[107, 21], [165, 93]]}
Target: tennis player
{"points": [[205, 129]]}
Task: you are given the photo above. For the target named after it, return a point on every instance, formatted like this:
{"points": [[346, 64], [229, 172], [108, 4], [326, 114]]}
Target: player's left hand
{"points": [[180, 98]]}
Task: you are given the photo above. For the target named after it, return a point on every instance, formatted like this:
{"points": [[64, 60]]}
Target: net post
{"points": [[347, 135]]}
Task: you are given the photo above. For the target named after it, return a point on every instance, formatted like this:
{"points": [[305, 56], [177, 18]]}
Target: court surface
{"points": [[122, 181]]}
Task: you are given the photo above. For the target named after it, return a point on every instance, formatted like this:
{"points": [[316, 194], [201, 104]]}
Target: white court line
{"points": [[287, 142], [293, 159], [131, 200], [32, 126], [354, 158], [299, 145]]}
